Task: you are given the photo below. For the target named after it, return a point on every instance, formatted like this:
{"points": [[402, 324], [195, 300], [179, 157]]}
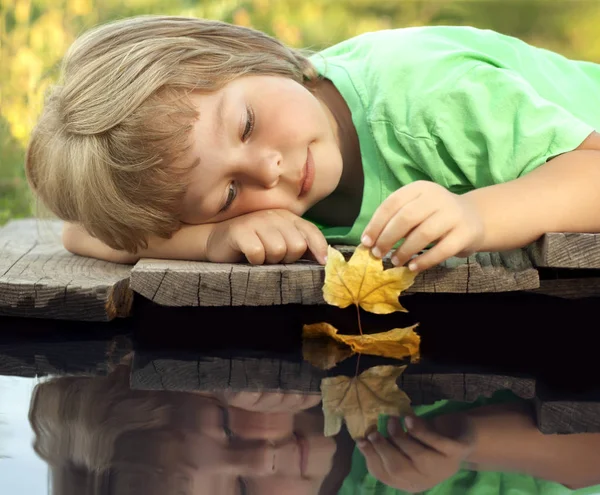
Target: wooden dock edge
{"points": [[40, 279]]}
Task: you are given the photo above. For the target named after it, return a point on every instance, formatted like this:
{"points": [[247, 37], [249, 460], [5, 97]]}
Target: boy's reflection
{"points": [[99, 436]]}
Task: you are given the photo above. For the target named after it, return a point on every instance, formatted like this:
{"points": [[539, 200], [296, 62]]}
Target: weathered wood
{"points": [[38, 347], [185, 283], [163, 371], [570, 288], [152, 372], [40, 279], [566, 250], [427, 388], [568, 416], [482, 272]]}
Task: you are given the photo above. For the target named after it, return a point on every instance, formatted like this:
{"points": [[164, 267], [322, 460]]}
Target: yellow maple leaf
{"points": [[398, 343], [363, 281], [360, 400]]}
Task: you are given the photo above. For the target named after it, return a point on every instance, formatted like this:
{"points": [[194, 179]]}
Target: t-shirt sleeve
{"points": [[491, 126]]}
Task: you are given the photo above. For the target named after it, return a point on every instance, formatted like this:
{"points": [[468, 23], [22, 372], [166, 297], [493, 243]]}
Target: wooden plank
{"points": [[481, 273], [564, 417], [152, 371], [427, 388], [570, 288], [173, 371], [186, 283], [35, 347], [568, 416], [566, 250], [575, 409], [40, 279], [156, 371]]}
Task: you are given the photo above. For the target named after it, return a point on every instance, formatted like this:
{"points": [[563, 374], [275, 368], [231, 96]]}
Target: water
{"points": [[218, 401]]}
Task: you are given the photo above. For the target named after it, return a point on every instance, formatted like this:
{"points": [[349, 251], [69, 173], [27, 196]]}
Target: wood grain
{"points": [[153, 371], [566, 250], [40, 279], [187, 283]]}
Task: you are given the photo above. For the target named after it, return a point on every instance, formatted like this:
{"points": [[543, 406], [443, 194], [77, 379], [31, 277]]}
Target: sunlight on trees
{"points": [[34, 35]]}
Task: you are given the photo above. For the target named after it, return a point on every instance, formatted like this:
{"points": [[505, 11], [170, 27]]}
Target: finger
{"points": [[251, 246], [431, 230], [448, 446], [393, 459], [451, 244], [273, 242], [373, 461], [295, 242], [384, 213], [315, 240], [406, 219]]}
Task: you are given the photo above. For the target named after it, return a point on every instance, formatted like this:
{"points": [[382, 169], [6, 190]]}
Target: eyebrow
{"points": [[221, 115]]}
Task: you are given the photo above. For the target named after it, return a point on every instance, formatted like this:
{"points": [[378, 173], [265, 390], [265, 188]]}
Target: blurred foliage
{"points": [[34, 35]]}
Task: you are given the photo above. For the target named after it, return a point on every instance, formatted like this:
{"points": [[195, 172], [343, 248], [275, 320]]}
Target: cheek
{"points": [[254, 200], [320, 458]]}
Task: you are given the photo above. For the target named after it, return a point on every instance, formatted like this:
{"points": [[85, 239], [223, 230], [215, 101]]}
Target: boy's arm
{"points": [[265, 236], [508, 440], [187, 243], [560, 196]]}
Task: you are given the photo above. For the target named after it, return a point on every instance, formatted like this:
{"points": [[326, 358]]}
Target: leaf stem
{"points": [[358, 315], [357, 363]]}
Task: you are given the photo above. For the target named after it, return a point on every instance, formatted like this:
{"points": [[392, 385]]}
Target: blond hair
{"points": [[76, 420], [103, 152]]}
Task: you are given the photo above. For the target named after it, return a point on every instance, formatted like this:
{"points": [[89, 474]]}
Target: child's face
{"points": [[263, 142], [194, 455]]}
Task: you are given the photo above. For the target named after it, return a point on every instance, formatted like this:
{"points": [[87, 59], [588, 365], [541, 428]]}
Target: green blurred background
{"points": [[34, 35]]}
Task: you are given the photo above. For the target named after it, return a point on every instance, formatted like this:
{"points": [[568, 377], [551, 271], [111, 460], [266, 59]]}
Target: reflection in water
{"points": [[99, 436], [21, 471]]}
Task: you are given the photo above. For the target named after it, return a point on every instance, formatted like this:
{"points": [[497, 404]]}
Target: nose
{"points": [[265, 169]]}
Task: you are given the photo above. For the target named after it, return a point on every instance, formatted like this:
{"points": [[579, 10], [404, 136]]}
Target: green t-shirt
{"points": [[360, 482], [459, 106], [465, 108]]}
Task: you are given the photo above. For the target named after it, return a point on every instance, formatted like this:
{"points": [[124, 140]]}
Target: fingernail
{"points": [[376, 252], [412, 266], [409, 421], [366, 240], [361, 443], [395, 261], [393, 426], [324, 259], [373, 437]]}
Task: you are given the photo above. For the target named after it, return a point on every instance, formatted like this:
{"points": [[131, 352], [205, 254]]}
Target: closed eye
{"points": [[231, 195], [250, 119]]}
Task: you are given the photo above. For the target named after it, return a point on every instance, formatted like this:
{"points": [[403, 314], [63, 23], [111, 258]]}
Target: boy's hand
{"points": [[423, 213], [266, 236], [419, 459]]}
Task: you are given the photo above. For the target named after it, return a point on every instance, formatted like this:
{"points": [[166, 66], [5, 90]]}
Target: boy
{"points": [[193, 139]]}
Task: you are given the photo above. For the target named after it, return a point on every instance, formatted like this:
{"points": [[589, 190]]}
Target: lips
{"points": [[308, 175]]}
